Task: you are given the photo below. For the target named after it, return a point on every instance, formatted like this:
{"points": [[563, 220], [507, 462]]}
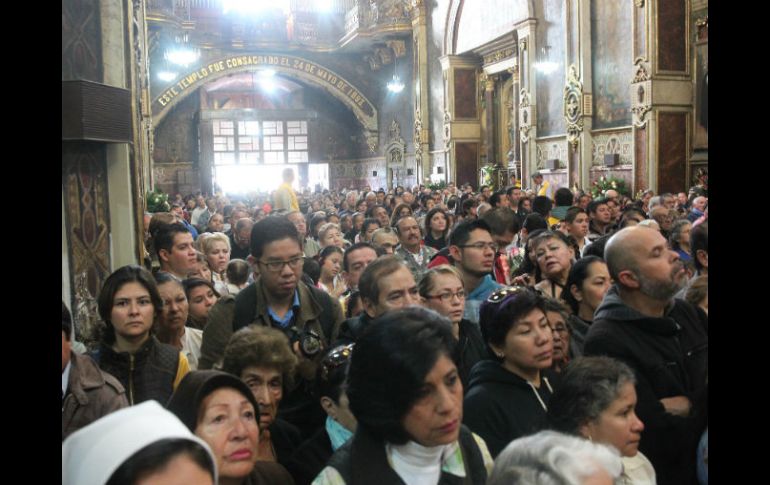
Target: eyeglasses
{"points": [[276, 266], [337, 357], [482, 246], [447, 296], [501, 294]]}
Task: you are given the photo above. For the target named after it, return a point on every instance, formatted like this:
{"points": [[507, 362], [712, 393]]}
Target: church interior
{"points": [[188, 96]]}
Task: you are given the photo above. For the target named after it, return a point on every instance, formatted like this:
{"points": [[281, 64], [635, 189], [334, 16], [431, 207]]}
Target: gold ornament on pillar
{"points": [[573, 106]]}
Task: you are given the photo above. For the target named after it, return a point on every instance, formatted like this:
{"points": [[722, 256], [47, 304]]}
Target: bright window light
{"points": [[166, 76], [254, 6], [324, 5], [182, 57]]}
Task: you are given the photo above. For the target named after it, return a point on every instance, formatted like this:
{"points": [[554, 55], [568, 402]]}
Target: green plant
{"points": [[600, 187], [440, 185], [157, 201]]}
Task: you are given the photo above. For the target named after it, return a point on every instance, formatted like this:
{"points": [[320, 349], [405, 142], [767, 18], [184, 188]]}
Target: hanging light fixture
{"points": [[544, 64], [395, 85], [182, 54]]}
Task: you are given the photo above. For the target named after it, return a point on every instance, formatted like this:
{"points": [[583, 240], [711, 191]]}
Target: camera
{"points": [[310, 343]]}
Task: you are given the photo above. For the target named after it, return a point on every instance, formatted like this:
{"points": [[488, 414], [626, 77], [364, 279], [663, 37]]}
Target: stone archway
{"points": [[288, 65]]}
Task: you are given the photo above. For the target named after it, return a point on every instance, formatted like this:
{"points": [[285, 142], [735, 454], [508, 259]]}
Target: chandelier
{"points": [[395, 85]]}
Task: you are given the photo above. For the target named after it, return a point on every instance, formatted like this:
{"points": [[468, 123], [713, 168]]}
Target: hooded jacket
{"points": [[501, 406], [669, 356], [186, 403]]}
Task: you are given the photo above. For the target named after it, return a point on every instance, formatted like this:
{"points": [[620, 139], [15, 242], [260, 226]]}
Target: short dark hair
{"points": [[542, 205], [462, 233], [563, 197], [368, 222], [389, 365], [237, 271], [191, 283], [573, 212], [355, 247], [596, 248], [577, 275], [589, 385], [164, 236], [332, 372], [494, 199], [594, 204], [699, 241], [156, 456], [501, 220], [381, 267], [629, 211], [497, 318], [66, 321], [534, 222], [468, 204], [131, 273], [269, 230]]}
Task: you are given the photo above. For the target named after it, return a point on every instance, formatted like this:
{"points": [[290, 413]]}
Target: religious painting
{"points": [[701, 118], [612, 61], [550, 86], [465, 93]]}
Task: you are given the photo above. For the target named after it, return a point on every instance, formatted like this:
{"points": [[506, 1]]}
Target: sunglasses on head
{"points": [[336, 358], [499, 295]]}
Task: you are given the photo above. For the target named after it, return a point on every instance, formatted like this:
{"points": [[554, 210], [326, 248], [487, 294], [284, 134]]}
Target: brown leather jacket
{"points": [[91, 394]]}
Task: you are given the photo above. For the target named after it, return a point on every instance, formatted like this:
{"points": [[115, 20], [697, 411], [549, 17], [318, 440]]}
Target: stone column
{"points": [[516, 140], [421, 91], [489, 100]]}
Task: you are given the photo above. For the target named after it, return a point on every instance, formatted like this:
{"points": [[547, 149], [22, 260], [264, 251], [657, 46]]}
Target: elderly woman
{"points": [[679, 239], [329, 234], [220, 409], [129, 304], [201, 295], [406, 394], [596, 400], [441, 289], [137, 445], [508, 394], [554, 254], [558, 315], [330, 388], [549, 457], [171, 326], [262, 358]]}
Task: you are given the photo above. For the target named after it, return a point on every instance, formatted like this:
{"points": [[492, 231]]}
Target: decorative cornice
{"points": [[499, 55]]}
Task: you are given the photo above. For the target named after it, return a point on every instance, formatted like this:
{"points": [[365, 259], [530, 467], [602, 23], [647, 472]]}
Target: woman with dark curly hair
{"points": [[128, 304], [406, 394], [262, 358]]}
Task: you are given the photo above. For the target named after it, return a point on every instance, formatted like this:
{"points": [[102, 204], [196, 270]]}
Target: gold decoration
{"points": [[639, 3], [573, 106], [525, 116], [640, 91], [447, 129], [398, 47], [499, 55]]}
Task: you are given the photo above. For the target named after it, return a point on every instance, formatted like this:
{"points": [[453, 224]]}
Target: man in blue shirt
{"points": [[473, 251]]}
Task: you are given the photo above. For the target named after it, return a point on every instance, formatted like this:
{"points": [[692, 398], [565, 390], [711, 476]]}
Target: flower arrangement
{"points": [[603, 184], [157, 201], [440, 185]]}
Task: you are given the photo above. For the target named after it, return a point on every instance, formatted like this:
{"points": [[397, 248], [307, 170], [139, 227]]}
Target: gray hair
{"points": [[589, 385], [654, 202], [551, 458]]}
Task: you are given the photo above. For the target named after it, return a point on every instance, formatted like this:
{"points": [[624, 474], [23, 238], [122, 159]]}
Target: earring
{"points": [[501, 355]]}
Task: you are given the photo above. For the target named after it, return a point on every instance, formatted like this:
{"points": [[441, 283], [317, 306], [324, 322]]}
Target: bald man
{"points": [[663, 339], [698, 208]]}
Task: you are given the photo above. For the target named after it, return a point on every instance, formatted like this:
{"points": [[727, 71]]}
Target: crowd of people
{"points": [[414, 336]]}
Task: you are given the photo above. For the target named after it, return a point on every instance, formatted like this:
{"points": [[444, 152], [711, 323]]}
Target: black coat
{"points": [[470, 350], [286, 438], [501, 406], [311, 457], [669, 356]]}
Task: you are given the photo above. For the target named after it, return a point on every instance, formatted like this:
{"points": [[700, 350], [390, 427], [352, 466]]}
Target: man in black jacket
{"points": [[663, 339]]}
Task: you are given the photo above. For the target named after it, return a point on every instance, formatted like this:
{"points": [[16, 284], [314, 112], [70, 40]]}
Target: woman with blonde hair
{"points": [[216, 248], [441, 289], [329, 234]]}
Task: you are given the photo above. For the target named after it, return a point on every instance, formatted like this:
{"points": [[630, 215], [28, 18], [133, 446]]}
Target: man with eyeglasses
{"points": [[386, 284], [473, 252], [279, 298]]}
